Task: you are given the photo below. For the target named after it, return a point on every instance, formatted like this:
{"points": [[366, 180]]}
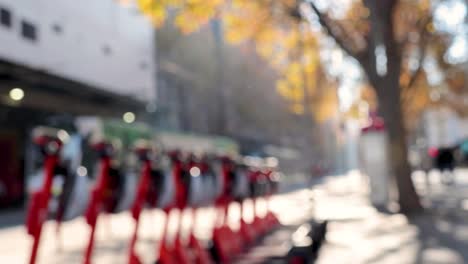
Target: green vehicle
{"points": [[121, 134], [195, 143]]}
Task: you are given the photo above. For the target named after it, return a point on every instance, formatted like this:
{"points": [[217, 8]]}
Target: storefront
{"points": [[59, 61], [44, 100]]}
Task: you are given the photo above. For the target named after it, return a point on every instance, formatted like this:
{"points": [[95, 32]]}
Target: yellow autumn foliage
{"points": [[279, 38], [326, 105], [292, 50]]}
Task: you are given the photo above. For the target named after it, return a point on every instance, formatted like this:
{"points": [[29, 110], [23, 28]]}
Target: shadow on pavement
{"points": [[12, 218], [441, 233]]}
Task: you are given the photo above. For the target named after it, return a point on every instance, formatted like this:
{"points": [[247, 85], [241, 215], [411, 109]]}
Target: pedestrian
{"points": [[445, 163]]}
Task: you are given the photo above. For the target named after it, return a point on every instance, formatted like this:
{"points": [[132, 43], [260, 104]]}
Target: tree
{"points": [[188, 88], [382, 36], [392, 30]]}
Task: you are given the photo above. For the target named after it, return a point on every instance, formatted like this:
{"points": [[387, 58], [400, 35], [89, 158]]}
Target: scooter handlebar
{"points": [[49, 140], [144, 150], [104, 149]]}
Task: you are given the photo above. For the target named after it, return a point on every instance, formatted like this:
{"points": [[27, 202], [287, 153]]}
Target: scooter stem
{"points": [[95, 206], [143, 188], [42, 205]]}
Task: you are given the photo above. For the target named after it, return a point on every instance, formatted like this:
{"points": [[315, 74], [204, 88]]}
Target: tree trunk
{"points": [[388, 92], [387, 87], [386, 83]]}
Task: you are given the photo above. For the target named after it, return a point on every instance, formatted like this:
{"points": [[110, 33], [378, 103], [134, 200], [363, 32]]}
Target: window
{"points": [[57, 29], [106, 49], [5, 17], [28, 30], [143, 65]]}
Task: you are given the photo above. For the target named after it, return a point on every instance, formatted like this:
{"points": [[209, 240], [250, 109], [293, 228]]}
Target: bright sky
{"points": [[450, 17]]}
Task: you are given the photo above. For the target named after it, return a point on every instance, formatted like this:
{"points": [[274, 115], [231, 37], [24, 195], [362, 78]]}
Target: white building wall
{"points": [[353, 131], [78, 51], [443, 127]]}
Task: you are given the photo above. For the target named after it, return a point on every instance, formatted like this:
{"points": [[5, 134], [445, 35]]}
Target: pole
{"points": [[221, 117]]}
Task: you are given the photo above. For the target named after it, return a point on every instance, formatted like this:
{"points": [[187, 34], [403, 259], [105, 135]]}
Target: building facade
{"points": [[98, 43], [60, 59]]}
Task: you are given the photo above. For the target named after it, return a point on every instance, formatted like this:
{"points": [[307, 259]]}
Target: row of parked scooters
{"points": [[183, 183]]}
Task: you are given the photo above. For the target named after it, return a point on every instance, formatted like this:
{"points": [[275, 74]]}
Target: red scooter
{"points": [[149, 178], [104, 195], [50, 146], [273, 184], [226, 242], [198, 196], [188, 180], [241, 193], [176, 253], [264, 184], [257, 184]]}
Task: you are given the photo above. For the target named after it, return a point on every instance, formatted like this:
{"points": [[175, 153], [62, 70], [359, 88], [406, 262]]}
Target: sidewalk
{"points": [[357, 233], [114, 232]]}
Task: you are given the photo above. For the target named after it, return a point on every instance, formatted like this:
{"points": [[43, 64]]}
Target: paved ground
{"points": [[359, 234], [114, 232]]}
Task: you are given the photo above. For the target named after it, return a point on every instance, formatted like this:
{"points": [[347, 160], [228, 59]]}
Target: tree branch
{"points": [[335, 32], [418, 71], [423, 42]]}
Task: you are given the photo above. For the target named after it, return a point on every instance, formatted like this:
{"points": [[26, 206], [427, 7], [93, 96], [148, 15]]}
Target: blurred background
{"points": [[372, 92]]}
